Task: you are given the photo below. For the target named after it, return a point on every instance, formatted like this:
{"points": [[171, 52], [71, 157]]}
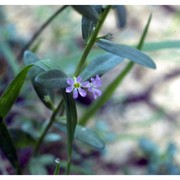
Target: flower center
{"points": [[77, 85]]}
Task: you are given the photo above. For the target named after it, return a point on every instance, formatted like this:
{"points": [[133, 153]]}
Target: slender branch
{"points": [[92, 40], [39, 31], [52, 119]]}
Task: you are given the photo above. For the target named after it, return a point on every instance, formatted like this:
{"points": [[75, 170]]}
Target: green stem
{"points": [[111, 88], [105, 96], [92, 40], [39, 31], [52, 119]]}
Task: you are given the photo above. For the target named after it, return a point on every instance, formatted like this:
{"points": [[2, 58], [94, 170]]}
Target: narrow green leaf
{"points": [[87, 25], [71, 118], [124, 51], [154, 46], [112, 87], [100, 65], [55, 79], [85, 135], [87, 11], [21, 138], [10, 94], [7, 146]]}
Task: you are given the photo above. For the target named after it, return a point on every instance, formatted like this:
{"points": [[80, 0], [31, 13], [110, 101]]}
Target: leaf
{"points": [[87, 11], [71, 119], [10, 94], [21, 138], [124, 51], [42, 92], [120, 15], [47, 64], [55, 79], [100, 65], [113, 85], [8, 148], [84, 135], [154, 46], [88, 25]]}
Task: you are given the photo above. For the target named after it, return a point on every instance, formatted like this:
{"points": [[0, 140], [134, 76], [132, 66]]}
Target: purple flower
{"points": [[76, 86], [94, 85]]}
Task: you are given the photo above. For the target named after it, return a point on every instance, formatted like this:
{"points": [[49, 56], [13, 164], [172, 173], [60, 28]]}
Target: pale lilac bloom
{"points": [[95, 84], [76, 86]]}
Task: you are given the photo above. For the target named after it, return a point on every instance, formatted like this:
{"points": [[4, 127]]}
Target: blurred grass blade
{"points": [[55, 79], [85, 135], [9, 55], [10, 94], [8, 148], [154, 46], [124, 51], [112, 87], [87, 11], [57, 169], [71, 118], [100, 65], [21, 138]]}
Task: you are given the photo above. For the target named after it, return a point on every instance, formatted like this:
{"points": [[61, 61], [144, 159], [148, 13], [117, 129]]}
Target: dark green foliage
{"points": [[87, 11], [8, 148], [11, 93]]}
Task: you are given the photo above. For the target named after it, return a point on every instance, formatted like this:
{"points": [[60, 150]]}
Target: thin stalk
{"points": [[52, 119], [111, 88], [39, 31], [92, 40], [105, 96]]}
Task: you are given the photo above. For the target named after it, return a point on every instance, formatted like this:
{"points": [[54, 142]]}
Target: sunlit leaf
{"points": [[10, 94], [87, 11], [52, 79], [128, 52], [8, 148], [85, 135], [100, 65]]}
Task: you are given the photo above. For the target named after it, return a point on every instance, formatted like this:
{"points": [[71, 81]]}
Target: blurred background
{"points": [[139, 124]]}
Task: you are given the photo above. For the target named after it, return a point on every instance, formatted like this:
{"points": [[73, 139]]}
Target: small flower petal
{"points": [[79, 79], [75, 93], [85, 84], [70, 81], [82, 92], [69, 89]]}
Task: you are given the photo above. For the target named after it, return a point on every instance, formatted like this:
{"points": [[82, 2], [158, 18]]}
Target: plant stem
{"points": [[39, 31], [107, 93], [92, 40], [111, 88], [52, 119]]}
